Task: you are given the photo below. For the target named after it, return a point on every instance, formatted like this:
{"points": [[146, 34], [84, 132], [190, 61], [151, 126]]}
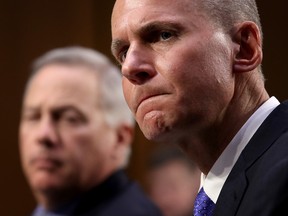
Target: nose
{"points": [[47, 134], [138, 65]]}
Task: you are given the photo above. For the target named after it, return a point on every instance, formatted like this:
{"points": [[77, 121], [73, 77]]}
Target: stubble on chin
{"points": [[154, 126]]}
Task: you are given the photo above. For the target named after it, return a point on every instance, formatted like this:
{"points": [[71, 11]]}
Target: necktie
{"points": [[203, 205]]}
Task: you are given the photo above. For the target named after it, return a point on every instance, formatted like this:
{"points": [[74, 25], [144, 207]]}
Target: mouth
{"points": [[45, 163], [146, 98]]}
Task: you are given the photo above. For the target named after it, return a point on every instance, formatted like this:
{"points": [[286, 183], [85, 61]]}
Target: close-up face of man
{"points": [[176, 66], [65, 142]]}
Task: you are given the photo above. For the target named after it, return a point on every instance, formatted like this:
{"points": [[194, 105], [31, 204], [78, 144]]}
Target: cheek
{"points": [[202, 72], [25, 146], [80, 153], [86, 142], [80, 140], [127, 91]]}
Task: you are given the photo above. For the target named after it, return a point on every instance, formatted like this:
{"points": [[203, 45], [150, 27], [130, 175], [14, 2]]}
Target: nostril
{"points": [[48, 144], [142, 76], [139, 77]]}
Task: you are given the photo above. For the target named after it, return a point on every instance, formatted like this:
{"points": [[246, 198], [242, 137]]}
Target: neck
{"points": [[208, 145]]}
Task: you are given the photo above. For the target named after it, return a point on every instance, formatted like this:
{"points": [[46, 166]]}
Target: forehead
{"points": [[140, 11], [57, 83], [130, 5]]}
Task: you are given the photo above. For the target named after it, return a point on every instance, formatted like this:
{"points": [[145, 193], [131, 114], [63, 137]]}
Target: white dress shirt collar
{"points": [[218, 174]]}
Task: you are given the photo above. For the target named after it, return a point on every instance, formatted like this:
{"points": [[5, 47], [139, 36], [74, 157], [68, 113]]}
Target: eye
{"points": [[122, 56], [71, 118], [68, 118], [165, 35], [31, 116]]}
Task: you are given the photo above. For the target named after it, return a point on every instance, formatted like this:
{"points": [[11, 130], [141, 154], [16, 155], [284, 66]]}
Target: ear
{"points": [[125, 136], [248, 48]]}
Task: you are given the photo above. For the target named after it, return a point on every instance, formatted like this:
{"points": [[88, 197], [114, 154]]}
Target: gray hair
{"points": [[112, 100], [227, 13]]}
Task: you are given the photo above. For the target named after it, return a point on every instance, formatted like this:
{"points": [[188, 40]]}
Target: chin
{"points": [[44, 183], [157, 134]]}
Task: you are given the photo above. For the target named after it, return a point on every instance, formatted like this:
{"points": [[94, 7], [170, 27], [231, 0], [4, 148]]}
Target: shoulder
{"points": [[134, 202]]}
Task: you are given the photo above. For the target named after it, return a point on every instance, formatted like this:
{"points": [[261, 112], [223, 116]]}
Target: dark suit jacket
{"points": [[117, 196], [258, 183]]}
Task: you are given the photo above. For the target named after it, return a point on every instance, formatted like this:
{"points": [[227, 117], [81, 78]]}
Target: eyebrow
{"points": [[29, 109], [59, 109], [158, 25], [67, 108], [116, 45]]}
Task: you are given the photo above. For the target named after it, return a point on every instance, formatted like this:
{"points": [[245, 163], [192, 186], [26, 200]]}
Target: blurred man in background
{"points": [[75, 137], [174, 181]]}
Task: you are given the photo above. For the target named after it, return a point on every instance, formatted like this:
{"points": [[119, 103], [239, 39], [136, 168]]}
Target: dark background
{"points": [[30, 28]]}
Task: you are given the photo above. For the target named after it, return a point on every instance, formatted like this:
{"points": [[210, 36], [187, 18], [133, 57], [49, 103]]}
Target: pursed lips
{"points": [[45, 162], [146, 97]]}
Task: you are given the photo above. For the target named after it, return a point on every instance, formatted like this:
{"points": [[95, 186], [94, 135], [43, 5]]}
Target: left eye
{"points": [[71, 119], [165, 35]]}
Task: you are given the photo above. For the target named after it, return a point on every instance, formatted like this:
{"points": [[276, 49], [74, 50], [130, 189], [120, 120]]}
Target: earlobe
{"points": [[248, 48]]}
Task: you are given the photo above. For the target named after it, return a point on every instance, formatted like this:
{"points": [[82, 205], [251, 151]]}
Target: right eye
{"points": [[122, 56], [30, 116], [165, 35]]}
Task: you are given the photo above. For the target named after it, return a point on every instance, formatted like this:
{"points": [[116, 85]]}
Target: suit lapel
{"points": [[236, 183]]}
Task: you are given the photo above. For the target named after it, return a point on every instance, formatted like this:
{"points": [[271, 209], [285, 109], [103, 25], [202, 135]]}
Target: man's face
{"points": [[65, 142], [176, 64]]}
